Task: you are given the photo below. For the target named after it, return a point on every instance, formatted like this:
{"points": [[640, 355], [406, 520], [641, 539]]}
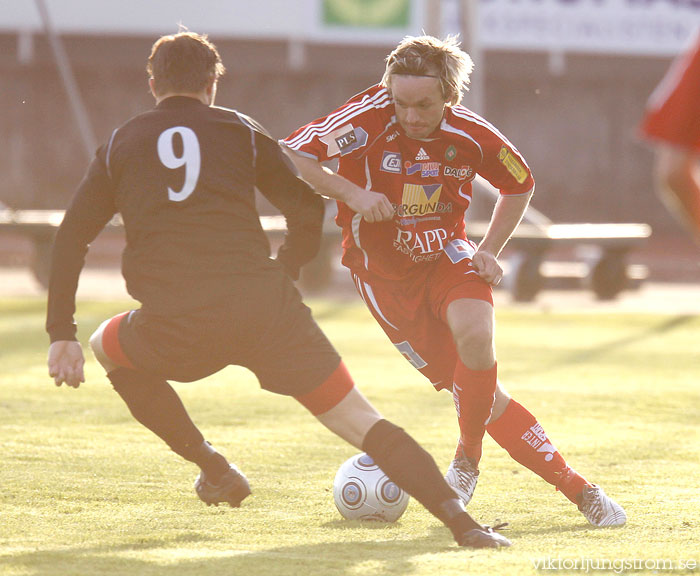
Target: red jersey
{"points": [[673, 111], [428, 181]]}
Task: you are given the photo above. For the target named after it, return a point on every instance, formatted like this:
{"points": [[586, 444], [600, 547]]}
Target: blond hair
{"points": [[430, 56], [183, 63]]}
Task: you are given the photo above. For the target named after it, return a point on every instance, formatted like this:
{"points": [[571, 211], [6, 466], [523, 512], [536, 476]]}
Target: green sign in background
{"points": [[367, 13]]}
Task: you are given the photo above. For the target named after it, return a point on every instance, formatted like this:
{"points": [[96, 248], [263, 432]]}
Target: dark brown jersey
{"points": [[183, 178]]}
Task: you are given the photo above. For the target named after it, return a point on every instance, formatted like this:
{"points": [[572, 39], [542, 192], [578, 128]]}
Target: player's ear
{"points": [[152, 86], [211, 90]]}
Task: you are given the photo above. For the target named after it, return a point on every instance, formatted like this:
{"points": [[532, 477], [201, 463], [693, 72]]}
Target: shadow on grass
{"points": [[175, 557], [601, 350], [188, 554]]}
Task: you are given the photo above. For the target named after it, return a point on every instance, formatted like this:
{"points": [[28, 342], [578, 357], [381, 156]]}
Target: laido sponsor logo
{"points": [[462, 173]]}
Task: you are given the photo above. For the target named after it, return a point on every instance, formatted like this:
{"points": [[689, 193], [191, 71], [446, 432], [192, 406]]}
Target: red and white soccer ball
{"points": [[362, 491]]}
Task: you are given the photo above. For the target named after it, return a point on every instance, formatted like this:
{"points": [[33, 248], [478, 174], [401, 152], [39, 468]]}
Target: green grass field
{"points": [[87, 491]]}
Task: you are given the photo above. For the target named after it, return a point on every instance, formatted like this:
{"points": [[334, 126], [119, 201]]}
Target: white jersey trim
{"points": [[530, 191], [356, 221], [300, 152], [446, 127], [337, 119], [465, 114], [367, 295]]}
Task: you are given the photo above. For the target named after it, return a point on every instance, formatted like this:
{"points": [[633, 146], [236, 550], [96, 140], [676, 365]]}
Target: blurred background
{"points": [[565, 80]]}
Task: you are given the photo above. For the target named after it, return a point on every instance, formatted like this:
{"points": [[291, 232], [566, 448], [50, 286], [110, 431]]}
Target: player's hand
{"points": [[373, 206], [487, 266], [66, 363]]}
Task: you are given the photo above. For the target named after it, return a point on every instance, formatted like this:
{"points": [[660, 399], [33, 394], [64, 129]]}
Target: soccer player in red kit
{"points": [[672, 120], [407, 152], [183, 177]]}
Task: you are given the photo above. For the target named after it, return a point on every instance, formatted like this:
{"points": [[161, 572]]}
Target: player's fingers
{"points": [[75, 374], [387, 209], [58, 377], [487, 275], [72, 379], [377, 215], [478, 266], [493, 277]]}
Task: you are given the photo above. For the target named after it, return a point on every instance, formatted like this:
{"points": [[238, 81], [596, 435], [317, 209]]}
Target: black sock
{"points": [[414, 470], [213, 464], [156, 405]]}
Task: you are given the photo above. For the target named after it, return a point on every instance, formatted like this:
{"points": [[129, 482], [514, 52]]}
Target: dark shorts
{"points": [[266, 328]]}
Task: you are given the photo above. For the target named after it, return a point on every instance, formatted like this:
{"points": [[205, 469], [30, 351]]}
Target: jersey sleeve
{"points": [[349, 130], [90, 210], [501, 162], [673, 110], [303, 209], [506, 169]]}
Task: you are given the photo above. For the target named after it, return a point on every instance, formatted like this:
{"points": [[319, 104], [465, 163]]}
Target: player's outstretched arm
{"points": [[677, 172], [373, 206], [66, 363], [507, 214]]}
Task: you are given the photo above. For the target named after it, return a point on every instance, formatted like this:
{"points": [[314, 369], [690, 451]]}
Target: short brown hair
{"points": [[429, 56], [184, 62]]}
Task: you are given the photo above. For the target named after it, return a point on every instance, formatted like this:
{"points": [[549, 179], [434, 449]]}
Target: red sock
{"points": [[473, 392], [525, 440]]}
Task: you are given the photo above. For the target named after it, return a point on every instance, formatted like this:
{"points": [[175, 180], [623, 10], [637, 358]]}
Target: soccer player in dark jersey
{"points": [[183, 178], [407, 152]]}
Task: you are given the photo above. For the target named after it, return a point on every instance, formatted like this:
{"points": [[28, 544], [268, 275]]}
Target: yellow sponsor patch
{"points": [[512, 164], [422, 199], [422, 195]]}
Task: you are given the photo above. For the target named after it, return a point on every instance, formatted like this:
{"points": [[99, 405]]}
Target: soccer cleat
{"points": [[599, 509], [483, 538], [462, 476], [233, 488]]}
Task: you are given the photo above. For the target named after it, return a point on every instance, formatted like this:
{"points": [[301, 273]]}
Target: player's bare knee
{"points": [[97, 348], [475, 345], [340, 407], [351, 419]]}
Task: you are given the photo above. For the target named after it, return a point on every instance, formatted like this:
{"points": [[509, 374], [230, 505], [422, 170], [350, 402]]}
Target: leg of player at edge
{"points": [[484, 406], [342, 408]]}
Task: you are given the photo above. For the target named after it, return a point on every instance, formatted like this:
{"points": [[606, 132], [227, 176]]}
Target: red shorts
{"points": [[413, 311]]}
